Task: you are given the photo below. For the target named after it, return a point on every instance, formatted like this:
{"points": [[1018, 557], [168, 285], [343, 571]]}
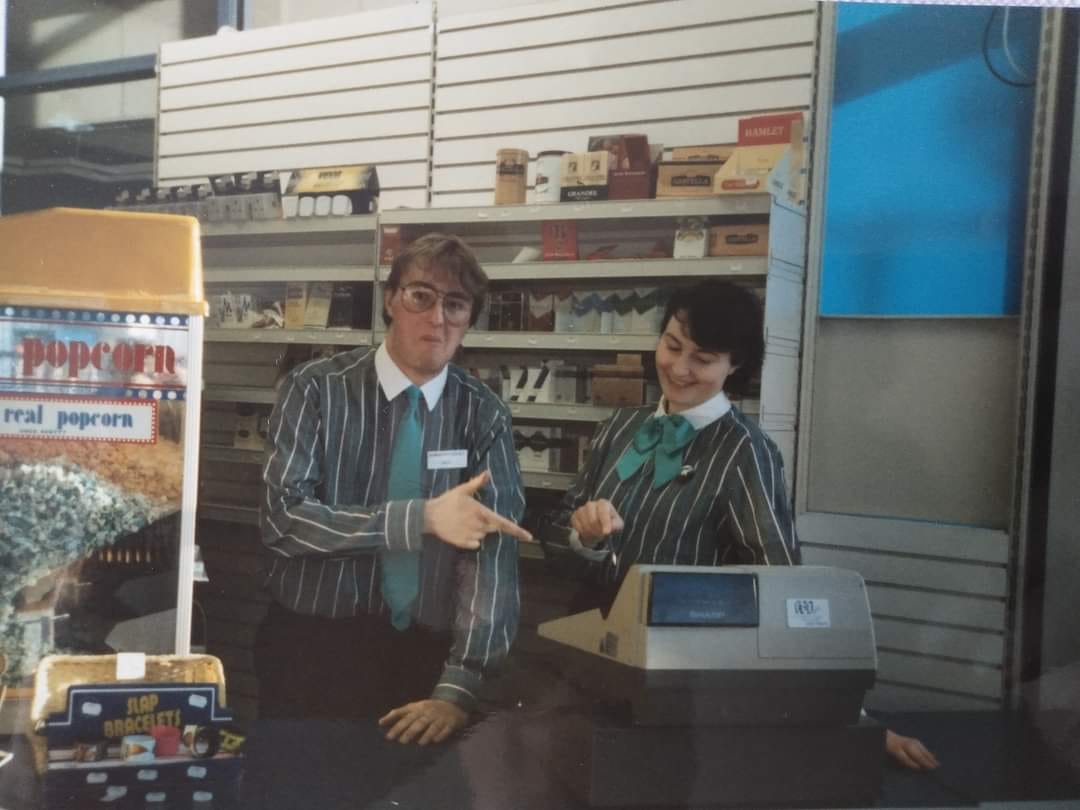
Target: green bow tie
{"points": [[662, 439]]}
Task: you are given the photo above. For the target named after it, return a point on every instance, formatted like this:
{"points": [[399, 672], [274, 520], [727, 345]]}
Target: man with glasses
{"points": [[391, 506]]}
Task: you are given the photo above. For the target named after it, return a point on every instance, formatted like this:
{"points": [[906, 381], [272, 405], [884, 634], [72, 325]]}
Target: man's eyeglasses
{"points": [[420, 297]]}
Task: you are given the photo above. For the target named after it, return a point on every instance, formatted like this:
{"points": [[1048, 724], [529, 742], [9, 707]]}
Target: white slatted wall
{"points": [[548, 75], [339, 91], [938, 594]]}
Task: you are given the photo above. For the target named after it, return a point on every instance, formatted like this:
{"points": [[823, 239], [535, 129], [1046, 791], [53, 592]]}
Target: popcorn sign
{"points": [[111, 420], [75, 356]]}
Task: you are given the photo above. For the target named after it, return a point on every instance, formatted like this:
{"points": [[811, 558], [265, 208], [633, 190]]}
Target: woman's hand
{"points": [[909, 752], [595, 520]]}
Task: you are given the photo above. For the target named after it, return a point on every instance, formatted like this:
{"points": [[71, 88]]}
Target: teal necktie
{"points": [[401, 569], [662, 439]]}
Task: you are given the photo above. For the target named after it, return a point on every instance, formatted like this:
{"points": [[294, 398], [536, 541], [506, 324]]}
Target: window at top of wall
{"points": [[78, 147], [44, 34]]}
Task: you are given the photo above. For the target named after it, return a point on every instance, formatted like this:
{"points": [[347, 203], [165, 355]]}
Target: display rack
{"points": [[244, 363], [742, 204], [345, 250], [335, 337]]}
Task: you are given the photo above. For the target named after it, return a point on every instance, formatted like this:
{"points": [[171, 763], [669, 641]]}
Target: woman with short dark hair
{"points": [[692, 481]]}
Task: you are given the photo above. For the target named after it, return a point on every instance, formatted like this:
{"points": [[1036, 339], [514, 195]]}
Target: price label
{"points": [[803, 613]]}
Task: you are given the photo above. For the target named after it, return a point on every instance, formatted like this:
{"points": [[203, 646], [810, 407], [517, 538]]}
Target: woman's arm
{"points": [[754, 496]]}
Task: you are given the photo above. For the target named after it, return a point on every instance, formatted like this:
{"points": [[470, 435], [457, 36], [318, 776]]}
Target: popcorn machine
{"points": [[101, 319]]}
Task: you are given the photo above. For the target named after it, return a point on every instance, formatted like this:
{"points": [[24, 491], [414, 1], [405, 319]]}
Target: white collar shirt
{"points": [[703, 415], [393, 381]]}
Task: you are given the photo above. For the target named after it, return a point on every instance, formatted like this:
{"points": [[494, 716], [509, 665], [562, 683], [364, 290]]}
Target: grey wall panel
{"points": [[914, 419]]}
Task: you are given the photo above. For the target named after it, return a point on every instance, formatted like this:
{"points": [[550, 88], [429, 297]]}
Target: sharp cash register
{"points": [[731, 686]]}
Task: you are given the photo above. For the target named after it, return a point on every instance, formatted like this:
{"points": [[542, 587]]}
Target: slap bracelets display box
{"points": [[101, 319], [135, 742]]}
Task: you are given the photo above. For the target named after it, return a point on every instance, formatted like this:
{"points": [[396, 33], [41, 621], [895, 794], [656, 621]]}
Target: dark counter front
{"points": [[508, 761]]}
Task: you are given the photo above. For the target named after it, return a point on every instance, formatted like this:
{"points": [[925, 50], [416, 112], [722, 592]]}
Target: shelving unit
{"points": [[243, 363], [743, 204], [289, 231], [240, 393], [345, 250], [505, 229], [748, 267], [547, 480], [336, 337], [256, 275]]}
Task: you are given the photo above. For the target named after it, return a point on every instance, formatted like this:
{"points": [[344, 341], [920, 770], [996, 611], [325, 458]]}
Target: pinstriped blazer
{"points": [[325, 516], [733, 509]]}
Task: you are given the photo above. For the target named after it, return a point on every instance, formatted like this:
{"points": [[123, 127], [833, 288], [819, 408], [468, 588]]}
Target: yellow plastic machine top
{"points": [[113, 260]]}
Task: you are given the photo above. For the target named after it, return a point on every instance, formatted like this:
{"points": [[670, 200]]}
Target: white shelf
{"points": [[728, 266], [734, 204], [584, 412], [239, 393], [343, 337], [559, 412], [548, 480], [247, 515], [295, 227], [258, 275], [558, 341], [232, 455]]}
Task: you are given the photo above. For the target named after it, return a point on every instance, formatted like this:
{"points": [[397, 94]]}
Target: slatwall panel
{"points": [[938, 596], [548, 75], [340, 91]]}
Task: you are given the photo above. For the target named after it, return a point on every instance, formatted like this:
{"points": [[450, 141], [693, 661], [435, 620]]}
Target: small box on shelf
{"points": [[717, 153], [231, 309], [333, 191], [538, 447], [251, 428], [317, 311], [685, 178], [691, 238], [540, 314], [584, 177], [295, 304], [631, 173], [739, 240], [392, 241], [506, 311], [763, 142], [559, 240], [619, 384]]}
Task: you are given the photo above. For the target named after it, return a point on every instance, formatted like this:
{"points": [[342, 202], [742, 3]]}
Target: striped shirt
{"points": [[325, 515], [733, 509]]}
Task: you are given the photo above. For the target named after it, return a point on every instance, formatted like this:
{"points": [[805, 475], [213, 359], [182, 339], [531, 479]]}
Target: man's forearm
{"points": [[303, 526]]}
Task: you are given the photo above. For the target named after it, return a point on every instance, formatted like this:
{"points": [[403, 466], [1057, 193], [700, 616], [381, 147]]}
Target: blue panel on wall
{"points": [[928, 163]]}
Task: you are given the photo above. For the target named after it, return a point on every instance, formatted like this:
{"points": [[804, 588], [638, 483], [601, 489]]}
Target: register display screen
{"points": [[703, 600]]}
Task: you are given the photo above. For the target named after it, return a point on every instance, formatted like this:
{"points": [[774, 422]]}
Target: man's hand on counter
{"points": [[424, 721]]}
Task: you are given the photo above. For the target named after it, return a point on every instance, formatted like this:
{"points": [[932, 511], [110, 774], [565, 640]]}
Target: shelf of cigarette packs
{"points": [[281, 292], [303, 280], [578, 292], [242, 381]]}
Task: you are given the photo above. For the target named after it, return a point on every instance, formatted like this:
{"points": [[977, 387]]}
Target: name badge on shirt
{"points": [[447, 459]]}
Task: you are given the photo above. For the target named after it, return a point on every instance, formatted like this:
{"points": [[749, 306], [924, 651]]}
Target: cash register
{"points": [[726, 686]]}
